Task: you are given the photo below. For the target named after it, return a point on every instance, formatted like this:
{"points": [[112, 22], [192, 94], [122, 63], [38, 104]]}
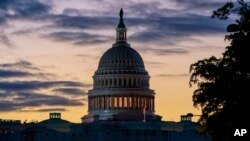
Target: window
{"points": [[115, 102], [120, 81], [125, 82], [115, 83], [110, 102], [125, 105], [120, 102], [130, 102]]}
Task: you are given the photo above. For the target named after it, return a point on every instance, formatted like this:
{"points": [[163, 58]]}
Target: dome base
{"points": [[120, 116]]}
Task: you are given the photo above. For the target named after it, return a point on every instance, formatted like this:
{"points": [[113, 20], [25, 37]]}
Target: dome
{"points": [[121, 89], [121, 58]]}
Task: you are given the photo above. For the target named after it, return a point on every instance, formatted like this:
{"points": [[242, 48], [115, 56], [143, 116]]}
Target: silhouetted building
{"points": [[121, 107], [121, 85]]}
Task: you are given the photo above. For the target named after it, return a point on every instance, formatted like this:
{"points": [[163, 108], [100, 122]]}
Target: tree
{"points": [[223, 84]]}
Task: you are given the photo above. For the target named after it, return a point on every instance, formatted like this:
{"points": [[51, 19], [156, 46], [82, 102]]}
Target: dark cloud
{"points": [[172, 75], [31, 99], [20, 10], [161, 24], [85, 22], [52, 110], [21, 64], [23, 8], [22, 69], [167, 30], [45, 110], [19, 94], [13, 73], [159, 27], [70, 91], [172, 30], [37, 85], [163, 51], [78, 38], [20, 100], [6, 106]]}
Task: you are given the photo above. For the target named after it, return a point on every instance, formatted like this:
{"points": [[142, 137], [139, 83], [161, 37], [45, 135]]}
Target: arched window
{"points": [[129, 82], [106, 84], [115, 83], [110, 82], [120, 82], [135, 82], [102, 82], [125, 82]]}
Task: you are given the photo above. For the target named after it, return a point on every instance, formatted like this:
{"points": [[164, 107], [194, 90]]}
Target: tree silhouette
{"points": [[223, 84]]}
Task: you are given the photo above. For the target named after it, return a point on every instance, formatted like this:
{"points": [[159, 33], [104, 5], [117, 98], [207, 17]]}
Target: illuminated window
{"points": [[115, 102], [130, 102], [120, 102], [125, 105], [102, 102], [110, 102], [138, 102]]}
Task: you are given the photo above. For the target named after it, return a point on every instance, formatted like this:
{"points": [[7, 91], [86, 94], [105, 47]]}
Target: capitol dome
{"points": [[121, 59], [121, 84]]}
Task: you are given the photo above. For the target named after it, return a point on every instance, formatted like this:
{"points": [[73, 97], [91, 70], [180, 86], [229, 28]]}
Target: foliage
{"points": [[224, 83]]}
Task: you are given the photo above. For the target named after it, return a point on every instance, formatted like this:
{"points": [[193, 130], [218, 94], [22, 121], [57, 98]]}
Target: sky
{"points": [[49, 50]]}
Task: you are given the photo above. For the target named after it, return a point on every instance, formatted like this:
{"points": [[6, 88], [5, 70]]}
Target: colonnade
{"points": [[121, 82], [121, 102]]}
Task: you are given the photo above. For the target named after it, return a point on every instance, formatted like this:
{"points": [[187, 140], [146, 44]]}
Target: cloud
{"points": [[84, 22], [172, 75], [44, 110], [161, 25], [17, 93], [70, 91], [171, 30], [78, 38], [31, 99], [21, 100], [164, 51], [13, 73], [13, 10], [151, 25], [24, 8], [52, 110], [21, 64], [22, 68], [37, 85]]}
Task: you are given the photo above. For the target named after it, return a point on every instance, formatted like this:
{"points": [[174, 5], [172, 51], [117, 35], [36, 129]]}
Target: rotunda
{"points": [[121, 89]]}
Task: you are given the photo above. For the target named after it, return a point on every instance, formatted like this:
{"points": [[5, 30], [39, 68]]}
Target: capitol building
{"points": [[121, 84], [121, 107]]}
